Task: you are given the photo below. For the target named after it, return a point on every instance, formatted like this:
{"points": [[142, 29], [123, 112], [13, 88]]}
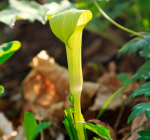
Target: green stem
{"points": [[108, 101], [78, 117], [115, 23]]}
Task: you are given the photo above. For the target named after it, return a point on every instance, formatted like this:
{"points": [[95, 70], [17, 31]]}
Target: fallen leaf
{"points": [[5, 126]]}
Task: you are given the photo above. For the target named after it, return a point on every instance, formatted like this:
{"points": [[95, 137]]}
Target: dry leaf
{"points": [[5, 126], [136, 123]]}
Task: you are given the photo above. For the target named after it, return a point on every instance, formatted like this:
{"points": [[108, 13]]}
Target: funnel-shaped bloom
{"points": [[68, 26]]}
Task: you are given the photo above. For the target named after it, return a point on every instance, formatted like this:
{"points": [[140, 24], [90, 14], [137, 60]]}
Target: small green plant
{"points": [[6, 51], [1, 89], [68, 26], [32, 129]]}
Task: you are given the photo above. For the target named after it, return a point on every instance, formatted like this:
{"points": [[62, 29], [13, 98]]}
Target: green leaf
{"points": [[135, 45], [29, 10], [96, 138], [69, 123], [30, 125], [142, 138], [139, 109], [40, 127], [58, 7], [123, 77], [142, 90], [8, 49], [1, 90], [99, 130], [32, 129], [143, 73], [145, 52], [145, 134], [71, 98], [67, 126]]}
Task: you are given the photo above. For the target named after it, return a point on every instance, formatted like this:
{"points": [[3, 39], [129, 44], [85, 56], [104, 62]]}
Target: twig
{"points": [[120, 114]]}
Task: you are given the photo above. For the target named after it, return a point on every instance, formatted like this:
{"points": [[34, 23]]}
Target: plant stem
{"points": [[78, 117], [115, 23]]}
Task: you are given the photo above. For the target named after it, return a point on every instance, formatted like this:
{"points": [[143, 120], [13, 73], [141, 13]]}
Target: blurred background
{"points": [[35, 78]]}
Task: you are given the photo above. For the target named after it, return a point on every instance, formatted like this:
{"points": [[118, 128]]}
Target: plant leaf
{"points": [[30, 125], [123, 77], [139, 109], [1, 90], [40, 127], [145, 134], [30, 10], [71, 98], [99, 130], [142, 138], [58, 7], [69, 123], [135, 45], [8, 49], [145, 52], [143, 73], [96, 138], [142, 90]]}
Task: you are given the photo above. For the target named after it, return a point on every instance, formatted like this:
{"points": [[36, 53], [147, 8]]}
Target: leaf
{"points": [[40, 127], [69, 30], [145, 135], [58, 7], [69, 123], [96, 138], [142, 90], [143, 73], [123, 77], [8, 49], [99, 130], [141, 138], [139, 109], [30, 10], [135, 45], [30, 125], [67, 126], [145, 52], [1, 90], [71, 99]]}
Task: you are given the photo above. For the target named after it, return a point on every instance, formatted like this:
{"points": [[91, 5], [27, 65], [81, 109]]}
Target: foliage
{"points": [[30, 10], [8, 49], [139, 11], [143, 73], [136, 44], [139, 109], [32, 129], [96, 23], [1, 90], [99, 130], [145, 135], [142, 90]]}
